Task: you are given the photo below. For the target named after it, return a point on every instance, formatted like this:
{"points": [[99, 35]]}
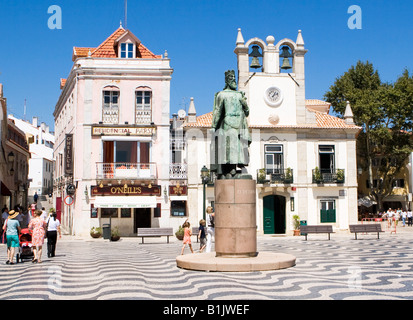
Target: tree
{"points": [[385, 113]]}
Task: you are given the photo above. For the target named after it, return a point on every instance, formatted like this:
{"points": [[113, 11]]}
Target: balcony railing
{"points": [[330, 176], [282, 176], [178, 171], [126, 170]]}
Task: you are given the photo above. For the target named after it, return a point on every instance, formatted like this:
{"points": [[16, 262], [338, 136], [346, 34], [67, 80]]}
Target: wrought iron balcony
{"points": [[126, 170], [328, 176], [178, 171], [282, 176]]}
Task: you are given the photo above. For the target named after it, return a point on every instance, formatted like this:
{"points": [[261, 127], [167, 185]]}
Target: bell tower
{"points": [[272, 75]]}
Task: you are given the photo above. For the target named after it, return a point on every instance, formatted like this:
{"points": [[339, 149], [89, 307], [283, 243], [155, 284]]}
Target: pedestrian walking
{"points": [[44, 214], [210, 222], [187, 237], [27, 216], [4, 217], [12, 229], [33, 207], [35, 197], [404, 216], [38, 226], [53, 228], [202, 235], [409, 217]]}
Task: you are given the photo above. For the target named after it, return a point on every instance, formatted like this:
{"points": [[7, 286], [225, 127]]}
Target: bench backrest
{"points": [[316, 229], [155, 231], [376, 227]]}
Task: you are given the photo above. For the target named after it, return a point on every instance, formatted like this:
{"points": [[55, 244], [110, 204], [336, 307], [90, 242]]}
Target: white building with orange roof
{"points": [[303, 158], [112, 138]]}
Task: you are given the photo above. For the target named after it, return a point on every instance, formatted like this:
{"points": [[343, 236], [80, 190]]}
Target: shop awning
{"points": [[126, 202], [4, 190]]}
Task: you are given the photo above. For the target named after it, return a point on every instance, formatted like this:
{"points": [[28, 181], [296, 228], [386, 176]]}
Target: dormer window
{"points": [[126, 50]]}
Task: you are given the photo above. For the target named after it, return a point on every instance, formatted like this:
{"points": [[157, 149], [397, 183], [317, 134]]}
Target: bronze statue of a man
{"points": [[231, 138]]}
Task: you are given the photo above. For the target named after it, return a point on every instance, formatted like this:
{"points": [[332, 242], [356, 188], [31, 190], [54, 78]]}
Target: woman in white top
{"points": [[53, 227], [210, 227]]}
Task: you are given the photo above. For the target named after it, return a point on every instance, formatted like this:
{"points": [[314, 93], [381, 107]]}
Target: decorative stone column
{"points": [[235, 218]]}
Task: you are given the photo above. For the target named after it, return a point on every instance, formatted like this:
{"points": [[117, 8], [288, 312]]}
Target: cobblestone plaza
{"points": [[96, 269]]}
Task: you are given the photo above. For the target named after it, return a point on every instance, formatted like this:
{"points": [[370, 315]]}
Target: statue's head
{"points": [[230, 80]]}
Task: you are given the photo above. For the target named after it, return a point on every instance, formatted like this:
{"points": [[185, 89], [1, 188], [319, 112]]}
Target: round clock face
{"points": [[273, 96]]}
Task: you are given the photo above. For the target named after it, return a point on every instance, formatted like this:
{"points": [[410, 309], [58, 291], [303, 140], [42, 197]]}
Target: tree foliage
{"points": [[385, 113]]}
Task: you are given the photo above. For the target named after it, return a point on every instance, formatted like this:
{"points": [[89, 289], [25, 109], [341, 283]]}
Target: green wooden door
{"points": [[268, 215], [328, 211]]}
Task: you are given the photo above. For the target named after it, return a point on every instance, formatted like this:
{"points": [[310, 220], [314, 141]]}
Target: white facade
{"points": [[114, 110], [41, 155], [290, 135]]}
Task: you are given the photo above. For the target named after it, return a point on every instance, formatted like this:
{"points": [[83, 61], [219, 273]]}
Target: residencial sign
{"points": [[123, 131]]}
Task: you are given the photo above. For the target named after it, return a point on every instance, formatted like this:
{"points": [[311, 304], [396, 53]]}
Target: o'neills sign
{"points": [[123, 131], [130, 190], [68, 165]]}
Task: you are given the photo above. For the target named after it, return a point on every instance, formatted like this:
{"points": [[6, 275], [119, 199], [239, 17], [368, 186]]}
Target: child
{"points": [[202, 235], [187, 237]]}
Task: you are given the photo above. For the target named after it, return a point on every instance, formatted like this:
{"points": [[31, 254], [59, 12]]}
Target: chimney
{"points": [[1, 90], [34, 121]]}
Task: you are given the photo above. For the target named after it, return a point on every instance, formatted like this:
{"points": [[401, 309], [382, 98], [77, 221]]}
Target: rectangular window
{"points": [[126, 152], [143, 114], [110, 110], [125, 213], [178, 208], [274, 159], [126, 50], [108, 212], [326, 158]]}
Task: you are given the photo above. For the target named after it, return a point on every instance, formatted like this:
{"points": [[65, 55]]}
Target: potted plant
{"points": [[261, 177], [96, 232], [317, 175], [180, 233], [114, 234], [296, 224], [340, 175], [288, 175]]}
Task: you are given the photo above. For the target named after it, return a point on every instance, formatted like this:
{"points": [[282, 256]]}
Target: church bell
{"points": [[285, 54], [286, 64], [255, 54]]}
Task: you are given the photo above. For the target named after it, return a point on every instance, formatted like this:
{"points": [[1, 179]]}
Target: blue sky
{"points": [[199, 36]]}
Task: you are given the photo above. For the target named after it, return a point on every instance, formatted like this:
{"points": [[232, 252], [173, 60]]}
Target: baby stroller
{"points": [[25, 251]]}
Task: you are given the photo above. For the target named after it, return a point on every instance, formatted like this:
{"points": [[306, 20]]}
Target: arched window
{"points": [[110, 107], [143, 105]]}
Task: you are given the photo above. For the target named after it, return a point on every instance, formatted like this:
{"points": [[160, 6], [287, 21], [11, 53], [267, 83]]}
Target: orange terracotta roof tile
{"points": [[107, 48], [80, 52], [323, 121]]}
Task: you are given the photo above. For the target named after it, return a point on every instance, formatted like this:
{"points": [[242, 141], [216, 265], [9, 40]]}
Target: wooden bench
{"points": [[305, 230], [360, 228], [154, 232]]}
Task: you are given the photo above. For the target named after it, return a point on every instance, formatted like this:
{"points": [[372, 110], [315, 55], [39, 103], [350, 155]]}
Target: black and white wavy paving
{"points": [[341, 268]]}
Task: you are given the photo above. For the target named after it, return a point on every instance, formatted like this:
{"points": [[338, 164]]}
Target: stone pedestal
{"points": [[235, 218], [235, 234]]}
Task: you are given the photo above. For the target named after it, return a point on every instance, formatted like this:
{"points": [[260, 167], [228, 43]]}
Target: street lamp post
{"points": [[205, 180]]}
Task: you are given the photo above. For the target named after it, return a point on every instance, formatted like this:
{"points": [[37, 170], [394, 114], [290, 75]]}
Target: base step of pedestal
{"points": [[264, 261]]}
